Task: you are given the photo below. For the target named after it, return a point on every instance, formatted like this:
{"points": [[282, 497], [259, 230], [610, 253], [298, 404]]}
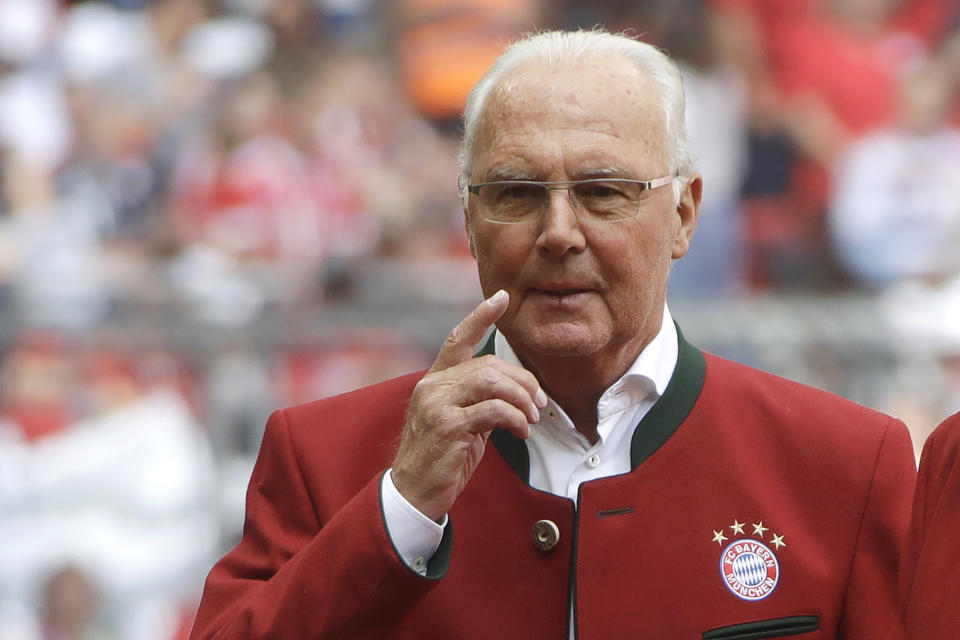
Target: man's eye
{"points": [[599, 191], [513, 192]]}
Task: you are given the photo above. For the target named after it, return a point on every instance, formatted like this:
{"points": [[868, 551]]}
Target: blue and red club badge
{"points": [[749, 567]]}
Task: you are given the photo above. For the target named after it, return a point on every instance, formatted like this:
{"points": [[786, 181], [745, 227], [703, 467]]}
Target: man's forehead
{"points": [[615, 99], [531, 77]]}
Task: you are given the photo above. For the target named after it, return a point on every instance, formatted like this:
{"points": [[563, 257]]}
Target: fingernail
{"points": [[536, 416], [541, 398], [497, 298]]}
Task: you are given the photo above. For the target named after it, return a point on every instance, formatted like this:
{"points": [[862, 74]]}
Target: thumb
{"points": [[461, 342]]}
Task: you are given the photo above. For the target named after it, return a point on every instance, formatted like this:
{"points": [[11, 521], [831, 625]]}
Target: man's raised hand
{"points": [[453, 409]]}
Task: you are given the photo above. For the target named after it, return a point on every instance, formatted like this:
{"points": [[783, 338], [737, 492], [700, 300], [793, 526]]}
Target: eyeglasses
{"points": [[597, 199]]}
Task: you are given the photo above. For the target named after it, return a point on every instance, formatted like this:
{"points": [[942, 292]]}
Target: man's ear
{"points": [[688, 209], [465, 207]]}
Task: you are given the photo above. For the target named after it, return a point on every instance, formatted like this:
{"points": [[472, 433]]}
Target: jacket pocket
{"points": [[774, 628]]}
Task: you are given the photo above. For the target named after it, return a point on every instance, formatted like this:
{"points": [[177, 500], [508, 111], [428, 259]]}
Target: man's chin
{"points": [[557, 340]]}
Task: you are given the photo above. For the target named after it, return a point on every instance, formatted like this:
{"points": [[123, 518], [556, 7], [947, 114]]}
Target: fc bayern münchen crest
{"points": [[749, 569]]}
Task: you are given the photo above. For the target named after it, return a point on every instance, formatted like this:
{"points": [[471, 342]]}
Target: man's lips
{"points": [[561, 292], [562, 288], [565, 296]]}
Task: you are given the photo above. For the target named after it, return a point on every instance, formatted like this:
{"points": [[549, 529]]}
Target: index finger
{"points": [[461, 342]]}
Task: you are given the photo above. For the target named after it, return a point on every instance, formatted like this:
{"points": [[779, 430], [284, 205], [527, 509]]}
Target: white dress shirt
{"points": [[560, 456]]}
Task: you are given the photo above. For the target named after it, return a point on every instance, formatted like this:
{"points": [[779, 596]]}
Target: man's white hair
{"points": [[557, 47]]}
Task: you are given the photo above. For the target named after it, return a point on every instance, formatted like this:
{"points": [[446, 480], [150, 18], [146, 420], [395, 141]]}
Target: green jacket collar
{"points": [[656, 427]]}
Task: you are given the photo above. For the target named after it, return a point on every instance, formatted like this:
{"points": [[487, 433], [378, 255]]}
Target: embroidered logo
{"points": [[749, 567]]}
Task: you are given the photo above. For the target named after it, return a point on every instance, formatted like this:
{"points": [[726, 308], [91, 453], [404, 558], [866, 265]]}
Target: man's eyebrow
{"points": [[512, 173], [508, 173], [603, 172]]}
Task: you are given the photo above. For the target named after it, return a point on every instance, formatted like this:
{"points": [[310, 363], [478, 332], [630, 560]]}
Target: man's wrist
{"points": [[414, 535]]}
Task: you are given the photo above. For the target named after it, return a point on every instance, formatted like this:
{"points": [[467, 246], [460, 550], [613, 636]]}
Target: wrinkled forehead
{"points": [[612, 97]]}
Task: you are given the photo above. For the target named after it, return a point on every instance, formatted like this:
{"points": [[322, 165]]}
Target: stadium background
{"points": [[213, 208]]}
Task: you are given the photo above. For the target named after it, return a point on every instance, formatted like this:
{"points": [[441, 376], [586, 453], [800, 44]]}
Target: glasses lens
{"points": [[607, 199], [512, 201], [523, 201]]}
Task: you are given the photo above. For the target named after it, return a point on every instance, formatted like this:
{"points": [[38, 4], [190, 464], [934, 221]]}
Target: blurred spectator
{"points": [[896, 209], [113, 477], [401, 173], [717, 129], [950, 54], [238, 394], [246, 190], [70, 607], [33, 122], [820, 73], [82, 193], [36, 386], [444, 47]]}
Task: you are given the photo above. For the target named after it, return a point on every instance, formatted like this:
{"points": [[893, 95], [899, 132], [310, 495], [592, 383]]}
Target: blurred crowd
{"points": [[172, 170]]}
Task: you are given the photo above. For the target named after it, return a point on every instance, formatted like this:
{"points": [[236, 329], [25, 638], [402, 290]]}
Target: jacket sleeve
{"points": [[871, 602], [292, 576]]}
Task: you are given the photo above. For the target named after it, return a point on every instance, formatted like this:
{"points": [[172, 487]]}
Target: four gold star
{"points": [[758, 530]]}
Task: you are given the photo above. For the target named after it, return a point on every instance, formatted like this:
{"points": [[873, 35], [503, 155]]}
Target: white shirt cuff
{"points": [[415, 536]]}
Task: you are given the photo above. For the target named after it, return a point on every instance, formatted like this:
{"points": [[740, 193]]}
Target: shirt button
{"points": [[545, 535], [593, 461], [419, 563]]}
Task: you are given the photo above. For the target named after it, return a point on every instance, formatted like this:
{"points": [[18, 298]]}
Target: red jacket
{"points": [[931, 567], [755, 505]]}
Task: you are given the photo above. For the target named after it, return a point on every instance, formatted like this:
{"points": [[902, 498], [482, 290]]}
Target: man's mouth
{"points": [[560, 293]]}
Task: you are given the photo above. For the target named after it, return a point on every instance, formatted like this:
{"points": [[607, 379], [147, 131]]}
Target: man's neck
{"points": [[576, 383]]}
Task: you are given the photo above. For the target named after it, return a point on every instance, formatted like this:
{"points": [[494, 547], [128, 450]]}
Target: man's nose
{"points": [[560, 226]]}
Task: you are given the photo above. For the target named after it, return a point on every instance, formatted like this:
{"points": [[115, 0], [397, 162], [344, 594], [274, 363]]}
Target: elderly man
{"points": [[589, 474]]}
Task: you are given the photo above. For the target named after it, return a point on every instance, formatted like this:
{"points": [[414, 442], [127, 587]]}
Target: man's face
{"points": [[578, 287]]}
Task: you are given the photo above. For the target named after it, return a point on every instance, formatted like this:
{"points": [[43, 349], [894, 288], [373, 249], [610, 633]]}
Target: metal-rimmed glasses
{"points": [[598, 199]]}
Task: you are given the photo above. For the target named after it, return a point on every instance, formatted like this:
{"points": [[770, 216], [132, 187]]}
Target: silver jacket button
{"points": [[545, 535]]}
